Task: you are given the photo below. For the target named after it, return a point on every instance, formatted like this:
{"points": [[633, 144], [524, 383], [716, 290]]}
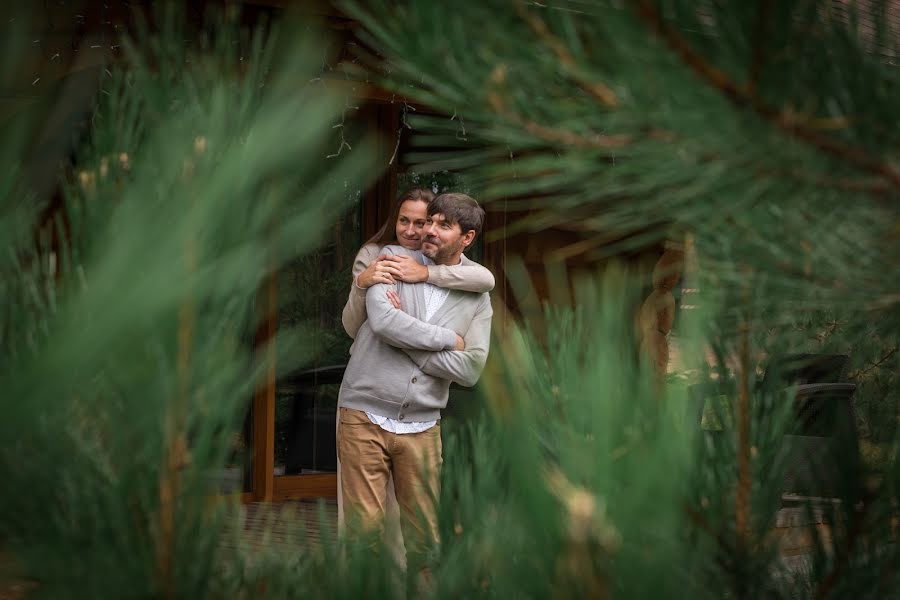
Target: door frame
{"points": [[384, 122]]}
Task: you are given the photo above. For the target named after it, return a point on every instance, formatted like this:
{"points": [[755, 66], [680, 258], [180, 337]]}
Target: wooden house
{"points": [[289, 430]]}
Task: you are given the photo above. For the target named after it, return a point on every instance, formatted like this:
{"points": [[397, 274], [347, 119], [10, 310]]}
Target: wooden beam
{"points": [[323, 8], [369, 91], [264, 398], [320, 485], [383, 121]]}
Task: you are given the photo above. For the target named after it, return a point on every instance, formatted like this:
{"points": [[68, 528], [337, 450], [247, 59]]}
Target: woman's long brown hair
{"points": [[388, 232]]}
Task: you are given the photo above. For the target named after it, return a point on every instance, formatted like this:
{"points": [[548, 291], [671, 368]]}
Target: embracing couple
{"points": [[420, 317]]}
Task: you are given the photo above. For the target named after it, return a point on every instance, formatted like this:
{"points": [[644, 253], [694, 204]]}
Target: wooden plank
{"points": [[322, 485], [264, 398], [368, 91], [383, 121], [304, 7], [793, 541]]}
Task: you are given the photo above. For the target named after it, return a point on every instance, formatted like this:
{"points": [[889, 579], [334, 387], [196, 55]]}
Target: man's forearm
{"points": [[463, 367], [402, 330], [460, 366]]}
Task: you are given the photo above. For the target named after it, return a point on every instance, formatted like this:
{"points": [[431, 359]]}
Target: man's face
{"points": [[444, 243]]}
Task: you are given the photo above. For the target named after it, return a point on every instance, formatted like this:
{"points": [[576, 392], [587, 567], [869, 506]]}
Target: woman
{"points": [[404, 227]]}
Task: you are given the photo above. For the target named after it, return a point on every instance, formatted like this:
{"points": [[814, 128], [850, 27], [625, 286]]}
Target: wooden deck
{"points": [[287, 522]]}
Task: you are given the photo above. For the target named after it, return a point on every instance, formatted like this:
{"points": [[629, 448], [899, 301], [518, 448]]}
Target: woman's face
{"points": [[411, 223]]}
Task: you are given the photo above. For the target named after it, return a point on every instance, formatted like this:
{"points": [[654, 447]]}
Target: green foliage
{"points": [[762, 128], [764, 131], [127, 327], [127, 349]]}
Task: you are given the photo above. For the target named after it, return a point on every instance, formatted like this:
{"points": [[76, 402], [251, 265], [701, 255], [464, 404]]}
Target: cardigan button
{"points": [[415, 379], [401, 417]]}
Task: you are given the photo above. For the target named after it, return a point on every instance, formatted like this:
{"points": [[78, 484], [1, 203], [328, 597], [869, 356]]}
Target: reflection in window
{"points": [[312, 291]]}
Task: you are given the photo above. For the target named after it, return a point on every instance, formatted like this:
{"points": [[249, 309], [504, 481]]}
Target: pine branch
{"points": [[884, 302], [785, 120], [597, 89], [543, 132], [176, 451], [700, 521], [874, 187], [828, 332], [745, 477], [862, 372], [842, 559]]}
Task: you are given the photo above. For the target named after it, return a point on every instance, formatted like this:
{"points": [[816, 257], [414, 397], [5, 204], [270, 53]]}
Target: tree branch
{"points": [[545, 133], [744, 475], [785, 120], [726, 549], [842, 559], [873, 186], [597, 89], [861, 372]]}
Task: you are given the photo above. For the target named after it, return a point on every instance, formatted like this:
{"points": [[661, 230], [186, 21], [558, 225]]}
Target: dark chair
{"points": [[822, 449], [793, 369]]}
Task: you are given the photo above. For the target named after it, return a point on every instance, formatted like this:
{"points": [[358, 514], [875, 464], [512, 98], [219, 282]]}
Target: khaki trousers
{"points": [[393, 537], [369, 457]]}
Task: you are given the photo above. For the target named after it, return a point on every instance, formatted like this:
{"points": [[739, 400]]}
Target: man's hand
{"points": [[406, 268], [394, 297], [460, 343], [379, 271]]}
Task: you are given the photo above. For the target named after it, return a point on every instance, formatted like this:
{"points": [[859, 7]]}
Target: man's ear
{"points": [[468, 238]]}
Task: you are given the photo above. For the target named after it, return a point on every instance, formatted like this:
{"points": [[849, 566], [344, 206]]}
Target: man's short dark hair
{"points": [[458, 208]]}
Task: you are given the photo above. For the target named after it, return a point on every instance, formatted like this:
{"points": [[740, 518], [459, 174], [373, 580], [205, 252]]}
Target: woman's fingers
{"points": [[405, 268], [368, 277], [391, 270]]}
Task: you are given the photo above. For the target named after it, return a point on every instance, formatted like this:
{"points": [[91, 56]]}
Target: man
{"points": [[398, 379]]}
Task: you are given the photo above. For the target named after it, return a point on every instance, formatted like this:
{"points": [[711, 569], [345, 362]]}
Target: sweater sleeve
{"points": [[354, 314], [401, 330], [462, 366], [468, 276]]}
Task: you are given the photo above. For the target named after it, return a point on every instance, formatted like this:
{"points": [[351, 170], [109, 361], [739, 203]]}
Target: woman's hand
{"points": [[406, 268], [379, 271]]}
